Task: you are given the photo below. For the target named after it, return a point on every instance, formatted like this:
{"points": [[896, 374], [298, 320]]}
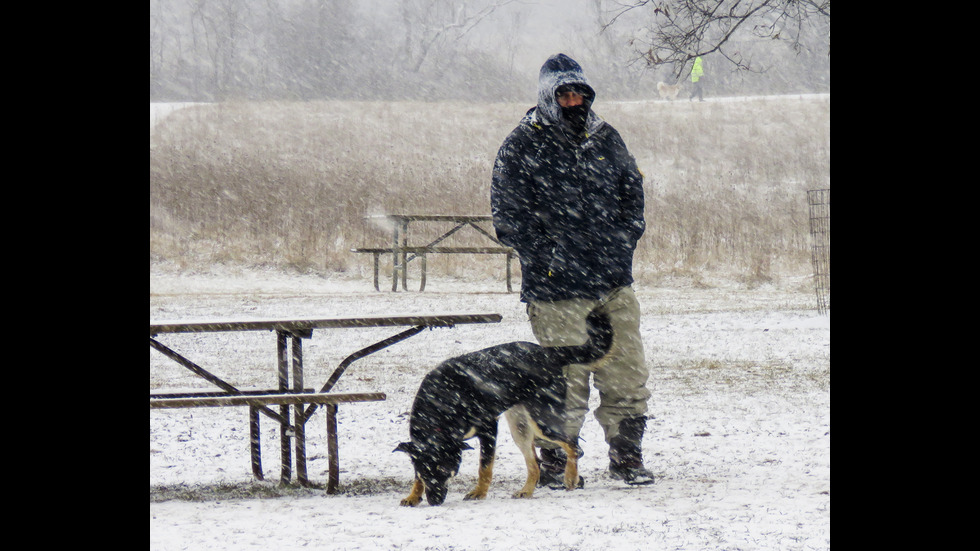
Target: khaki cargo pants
{"points": [[620, 376]]}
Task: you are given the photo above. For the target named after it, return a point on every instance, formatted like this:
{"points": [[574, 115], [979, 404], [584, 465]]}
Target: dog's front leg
{"points": [[415, 496], [488, 449]]}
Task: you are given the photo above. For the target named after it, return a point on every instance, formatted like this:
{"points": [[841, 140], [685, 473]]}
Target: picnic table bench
{"points": [[303, 401], [401, 253]]}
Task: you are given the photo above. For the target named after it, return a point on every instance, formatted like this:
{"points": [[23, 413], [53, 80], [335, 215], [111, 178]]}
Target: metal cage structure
{"points": [[819, 202]]}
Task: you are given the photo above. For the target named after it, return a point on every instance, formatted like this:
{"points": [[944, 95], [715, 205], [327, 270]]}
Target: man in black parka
{"points": [[568, 197]]}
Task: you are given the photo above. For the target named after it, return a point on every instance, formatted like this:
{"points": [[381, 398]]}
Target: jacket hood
{"points": [[558, 70]]}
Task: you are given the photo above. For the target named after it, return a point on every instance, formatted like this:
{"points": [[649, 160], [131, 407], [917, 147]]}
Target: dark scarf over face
{"points": [[575, 118]]}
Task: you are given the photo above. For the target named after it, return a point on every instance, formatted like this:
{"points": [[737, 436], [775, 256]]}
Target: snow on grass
{"points": [[739, 435]]}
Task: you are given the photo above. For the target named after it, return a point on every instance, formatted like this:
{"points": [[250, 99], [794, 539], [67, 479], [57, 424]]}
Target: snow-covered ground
{"points": [[158, 111], [739, 435]]}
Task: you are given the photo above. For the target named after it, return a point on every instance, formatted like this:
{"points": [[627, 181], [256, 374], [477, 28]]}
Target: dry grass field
{"points": [[288, 184]]}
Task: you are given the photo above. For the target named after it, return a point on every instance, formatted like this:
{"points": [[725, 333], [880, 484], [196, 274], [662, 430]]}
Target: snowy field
{"points": [[739, 436]]}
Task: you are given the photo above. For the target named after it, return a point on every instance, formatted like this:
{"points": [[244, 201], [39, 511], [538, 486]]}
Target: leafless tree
{"points": [[672, 33], [432, 24]]}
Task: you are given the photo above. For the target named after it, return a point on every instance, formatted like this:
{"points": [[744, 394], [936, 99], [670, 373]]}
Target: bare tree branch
{"points": [[435, 21], [675, 32]]}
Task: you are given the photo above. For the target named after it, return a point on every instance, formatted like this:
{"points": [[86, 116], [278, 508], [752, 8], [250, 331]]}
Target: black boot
{"points": [[625, 455], [552, 465]]}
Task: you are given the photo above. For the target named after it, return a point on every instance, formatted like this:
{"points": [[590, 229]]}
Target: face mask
{"points": [[576, 116]]}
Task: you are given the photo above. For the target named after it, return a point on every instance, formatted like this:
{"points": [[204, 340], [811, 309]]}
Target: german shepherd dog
{"points": [[464, 396]]}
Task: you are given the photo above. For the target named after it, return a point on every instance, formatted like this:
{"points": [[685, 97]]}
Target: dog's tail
{"points": [[600, 341]]}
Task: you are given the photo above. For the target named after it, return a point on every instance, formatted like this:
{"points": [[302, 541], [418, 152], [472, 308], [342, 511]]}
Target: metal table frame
{"points": [[399, 237], [289, 351]]}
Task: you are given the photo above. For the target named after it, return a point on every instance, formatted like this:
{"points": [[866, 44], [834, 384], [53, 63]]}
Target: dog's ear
{"points": [[406, 447]]}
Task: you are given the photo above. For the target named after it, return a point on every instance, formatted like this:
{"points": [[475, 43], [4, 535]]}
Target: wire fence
{"points": [[819, 201]]}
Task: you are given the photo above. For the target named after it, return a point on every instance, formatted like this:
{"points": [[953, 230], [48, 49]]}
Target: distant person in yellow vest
{"points": [[696, 73]]}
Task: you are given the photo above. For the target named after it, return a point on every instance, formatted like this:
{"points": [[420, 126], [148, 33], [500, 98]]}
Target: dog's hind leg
{"points": [[523, 430], [535, 426], [415, 496], [488, 449], [571, 466]]}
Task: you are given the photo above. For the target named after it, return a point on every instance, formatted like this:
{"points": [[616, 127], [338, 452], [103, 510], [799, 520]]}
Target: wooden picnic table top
{"points": [[265, 399], [307, 324], [435, 217]]}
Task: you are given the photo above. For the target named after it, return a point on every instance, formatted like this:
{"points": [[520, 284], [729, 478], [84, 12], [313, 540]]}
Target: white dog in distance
{"points": [[668, 91]]}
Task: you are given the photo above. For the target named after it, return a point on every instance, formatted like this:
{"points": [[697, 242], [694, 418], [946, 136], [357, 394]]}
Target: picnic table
{"points": [[402, 253], [292, 394]]}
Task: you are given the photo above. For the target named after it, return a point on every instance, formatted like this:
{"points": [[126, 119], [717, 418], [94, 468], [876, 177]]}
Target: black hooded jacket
{"points": [[570, 204]]}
